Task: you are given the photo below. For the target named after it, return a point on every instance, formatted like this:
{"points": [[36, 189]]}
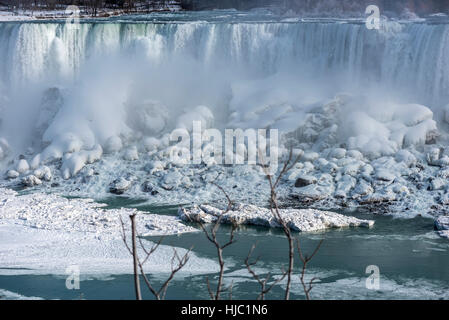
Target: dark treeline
{"points": [[324, 6], [318, 7], [90, 6]]}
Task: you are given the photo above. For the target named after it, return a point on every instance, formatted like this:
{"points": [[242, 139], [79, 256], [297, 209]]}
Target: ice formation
{"points": [[303, 220], [371, 126], [45, 234]]}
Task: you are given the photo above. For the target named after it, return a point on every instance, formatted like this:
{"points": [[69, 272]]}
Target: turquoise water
{"points": [[413, 263]]}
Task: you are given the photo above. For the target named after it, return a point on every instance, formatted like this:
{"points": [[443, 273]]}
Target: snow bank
{"points": [[303, 220], [44, 234]]}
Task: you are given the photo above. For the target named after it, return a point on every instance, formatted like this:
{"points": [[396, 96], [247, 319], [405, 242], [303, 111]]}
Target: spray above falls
{"points": [[123, 86]]}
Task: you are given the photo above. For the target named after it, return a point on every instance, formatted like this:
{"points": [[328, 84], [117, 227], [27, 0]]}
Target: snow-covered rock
{"points": [[131, 154], [302, 220], [442, 226], [172, 180], [119, 186], [310, 156], [44, 173], [154, 166], [337, 153], [12, 174], [31, 181], [305, 180]]}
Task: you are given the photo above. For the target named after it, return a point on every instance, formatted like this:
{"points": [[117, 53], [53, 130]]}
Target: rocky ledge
{"points": [[302, 220]]}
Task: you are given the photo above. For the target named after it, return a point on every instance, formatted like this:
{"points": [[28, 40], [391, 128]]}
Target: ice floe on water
{"points": [[45, 234], [8, 295], [303, 220]]}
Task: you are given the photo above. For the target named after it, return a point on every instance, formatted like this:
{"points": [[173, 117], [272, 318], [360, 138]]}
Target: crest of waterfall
{"points": [[172, 67], [410, 56]]}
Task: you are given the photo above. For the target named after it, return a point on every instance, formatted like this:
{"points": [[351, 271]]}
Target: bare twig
{"points": [[177, 262], [274, 207], [211, 235], [305, 260], [263, 282]]}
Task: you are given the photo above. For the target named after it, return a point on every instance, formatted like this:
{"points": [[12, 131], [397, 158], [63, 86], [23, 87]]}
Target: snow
{"points": [[303, 220], [44, 234], [9, 16]]}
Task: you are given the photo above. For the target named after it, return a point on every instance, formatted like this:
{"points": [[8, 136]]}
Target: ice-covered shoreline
{"points": [[46, 234]]}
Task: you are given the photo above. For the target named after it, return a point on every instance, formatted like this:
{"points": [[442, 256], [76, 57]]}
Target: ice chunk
{"points": [[302, 220]]}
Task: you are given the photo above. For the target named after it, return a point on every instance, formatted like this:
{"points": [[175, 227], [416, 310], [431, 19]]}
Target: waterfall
{"points": [[414, 56]]}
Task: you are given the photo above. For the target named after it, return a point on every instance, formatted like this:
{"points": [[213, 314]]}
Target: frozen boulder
{"points": [[43, 173], [438, 184], [172, 180], [12, 174], [406, 157], [362, 189], [344, 186], [131, 154], [351, 169], [119, 186], [31, 181], [337, 153], [154, 166], [149, 187], [305, 180], [310, 156], [384, 175], [433, 156], [355, 154]]}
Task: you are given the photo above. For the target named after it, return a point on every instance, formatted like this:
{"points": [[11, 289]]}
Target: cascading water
{"points": [[120, 82], [413, 56]]}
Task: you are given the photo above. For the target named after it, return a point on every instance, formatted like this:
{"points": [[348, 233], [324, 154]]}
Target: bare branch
{"points": [[212, 237], [307, 287], [262, 282], [274, 207], [177, 262]]}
